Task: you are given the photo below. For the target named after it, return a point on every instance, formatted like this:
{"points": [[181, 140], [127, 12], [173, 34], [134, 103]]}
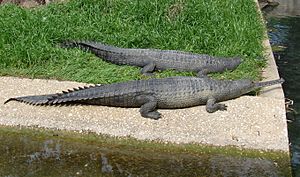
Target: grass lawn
{"points": [[29, 37]]}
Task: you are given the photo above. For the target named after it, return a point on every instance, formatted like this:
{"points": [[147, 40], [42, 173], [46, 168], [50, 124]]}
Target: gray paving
{"points": [[250, 122]]}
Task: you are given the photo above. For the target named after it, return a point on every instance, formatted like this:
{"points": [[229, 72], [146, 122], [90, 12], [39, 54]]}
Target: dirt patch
{"points": [[174, 10]]}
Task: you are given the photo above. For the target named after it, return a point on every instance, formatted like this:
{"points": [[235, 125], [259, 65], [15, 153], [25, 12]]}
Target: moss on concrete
{"points": [[154, 156]]}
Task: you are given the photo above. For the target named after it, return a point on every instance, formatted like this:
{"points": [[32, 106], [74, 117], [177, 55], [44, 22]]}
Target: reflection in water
{"points": [[36, 156], [46, 152], [242, 167], [285, 32], [106, 168]]}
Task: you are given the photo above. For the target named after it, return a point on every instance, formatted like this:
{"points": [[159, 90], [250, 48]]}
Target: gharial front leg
{"points": [[212, 106], [202, 73], [148, 109], [148, 69]]}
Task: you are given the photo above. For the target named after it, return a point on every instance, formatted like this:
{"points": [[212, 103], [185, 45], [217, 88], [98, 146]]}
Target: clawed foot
{"points": [[148, 74], [201, 75], [213, 107], [153, 115], [222, 107]]}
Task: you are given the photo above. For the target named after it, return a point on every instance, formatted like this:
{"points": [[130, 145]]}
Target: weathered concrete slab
{"points": [[271, 73], [250, 122]]}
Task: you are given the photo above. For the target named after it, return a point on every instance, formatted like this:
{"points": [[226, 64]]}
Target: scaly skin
{"points": [[154, 59], [172, 92]]}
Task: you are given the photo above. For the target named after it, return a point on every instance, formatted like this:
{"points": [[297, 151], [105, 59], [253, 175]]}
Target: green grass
{"points": [[29, 37]]}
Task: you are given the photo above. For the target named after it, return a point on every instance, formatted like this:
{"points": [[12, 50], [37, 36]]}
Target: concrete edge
{"points": [[270, 72]]}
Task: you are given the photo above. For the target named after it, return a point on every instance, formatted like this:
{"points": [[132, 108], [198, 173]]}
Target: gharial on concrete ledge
{"points": [[172, 92], [154, 59]]}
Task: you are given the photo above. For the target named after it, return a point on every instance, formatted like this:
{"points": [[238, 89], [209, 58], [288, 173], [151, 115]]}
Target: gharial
{"points": [[172, 92], [155, 59]]}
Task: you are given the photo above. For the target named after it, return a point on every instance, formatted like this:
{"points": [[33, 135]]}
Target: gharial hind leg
{"points": [[148, 69], [148, 109], [212, 106]]}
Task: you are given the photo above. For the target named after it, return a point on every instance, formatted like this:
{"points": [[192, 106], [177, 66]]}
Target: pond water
{"points": [[30, 154], [284, 33]]}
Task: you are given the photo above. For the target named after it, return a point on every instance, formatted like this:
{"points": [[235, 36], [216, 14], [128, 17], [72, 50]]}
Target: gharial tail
{"points": [[88, 46], [68, 44], [35, 100], [268, 83], [70, 95]]}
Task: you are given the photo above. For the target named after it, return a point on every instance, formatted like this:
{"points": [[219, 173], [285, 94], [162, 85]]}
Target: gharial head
{"points": [[244, 86], [233, 63], [222, 64]]}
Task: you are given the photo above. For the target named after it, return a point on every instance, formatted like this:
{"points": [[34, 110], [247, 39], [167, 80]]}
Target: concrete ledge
{"points": [[270, 73], [250, 122]]}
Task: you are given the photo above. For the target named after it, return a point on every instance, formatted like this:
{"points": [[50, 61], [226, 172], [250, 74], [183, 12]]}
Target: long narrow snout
{"points": [[268, 83]]}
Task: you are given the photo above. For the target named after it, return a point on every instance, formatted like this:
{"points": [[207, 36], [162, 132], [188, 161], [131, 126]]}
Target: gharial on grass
{"points": [[155, 59], [221, 28]]}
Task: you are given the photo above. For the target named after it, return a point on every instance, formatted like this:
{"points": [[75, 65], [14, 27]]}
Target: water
{"points": [[30, 154], [284, 33]]}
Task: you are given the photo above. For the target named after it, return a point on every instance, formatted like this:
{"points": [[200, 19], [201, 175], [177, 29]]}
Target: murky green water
{"points": [[285, 39], [32, 153]]}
